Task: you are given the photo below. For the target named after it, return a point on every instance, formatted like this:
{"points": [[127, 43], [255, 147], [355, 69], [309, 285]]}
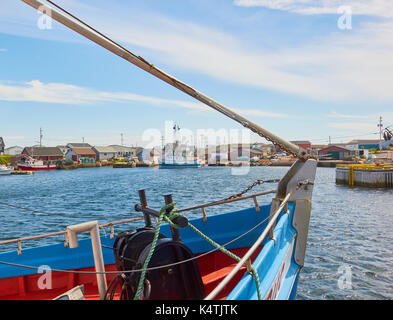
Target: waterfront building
{"points": [[306, 145], [13, 151], [148, 155], [2, 145], [63, 149], [43, 153], [78, 145], [334, 152], [363, 144], [126, 152], [315, 148], [83, 155], [105, 153]]}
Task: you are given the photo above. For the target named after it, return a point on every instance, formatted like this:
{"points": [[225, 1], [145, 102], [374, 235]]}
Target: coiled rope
{"points": [[169, 213]]}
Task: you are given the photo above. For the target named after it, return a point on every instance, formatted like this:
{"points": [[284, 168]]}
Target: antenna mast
{"points": [[41, 136]]}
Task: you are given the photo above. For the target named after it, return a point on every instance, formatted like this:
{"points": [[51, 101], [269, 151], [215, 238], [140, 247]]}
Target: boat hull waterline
{"points": [[36, 168], [277, 269]]}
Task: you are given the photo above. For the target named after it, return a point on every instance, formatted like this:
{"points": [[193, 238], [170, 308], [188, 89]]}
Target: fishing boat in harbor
{"points": [[244, 254], [31, 164], [177, 156], [4, 170], [179, 162]]}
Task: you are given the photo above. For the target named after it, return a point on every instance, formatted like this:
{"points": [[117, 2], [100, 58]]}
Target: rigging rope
{"points": [[136, 270], [256, 183], [169, 217]]}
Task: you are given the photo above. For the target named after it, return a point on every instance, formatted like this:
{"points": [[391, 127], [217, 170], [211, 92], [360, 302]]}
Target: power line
{"points": [[342, 137]]}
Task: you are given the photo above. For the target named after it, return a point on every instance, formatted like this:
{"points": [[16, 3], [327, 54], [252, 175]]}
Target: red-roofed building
{"points": [[83, 155]]}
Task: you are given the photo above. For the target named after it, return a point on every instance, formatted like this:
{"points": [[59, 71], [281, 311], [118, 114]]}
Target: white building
{"points": [[13, 151], [104, 153]]}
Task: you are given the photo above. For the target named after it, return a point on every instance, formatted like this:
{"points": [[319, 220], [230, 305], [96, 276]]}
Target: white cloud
{"points": [[382, 8], [347, 66], [61, 93], [260, 113], [342, 66], [334, 114], [353, 126]]}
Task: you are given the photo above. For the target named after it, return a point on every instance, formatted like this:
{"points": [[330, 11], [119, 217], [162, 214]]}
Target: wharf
{"points": [[123, 165], [365, 175], [20, 172]]}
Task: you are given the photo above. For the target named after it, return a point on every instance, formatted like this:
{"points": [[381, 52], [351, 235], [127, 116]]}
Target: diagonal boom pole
{"points": [[97, 37]]}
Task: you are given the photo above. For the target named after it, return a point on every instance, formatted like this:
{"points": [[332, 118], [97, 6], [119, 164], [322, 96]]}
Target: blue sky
{"points": [[284, 64]]}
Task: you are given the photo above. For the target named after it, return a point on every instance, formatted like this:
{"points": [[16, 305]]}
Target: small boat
{"points": [[31, 164], [4, 170], [178, 163], [239, 254], [179, 156]]}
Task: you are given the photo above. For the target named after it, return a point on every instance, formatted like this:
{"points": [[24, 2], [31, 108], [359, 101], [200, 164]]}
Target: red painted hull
{"points": [[213, 267], [37, 168]]}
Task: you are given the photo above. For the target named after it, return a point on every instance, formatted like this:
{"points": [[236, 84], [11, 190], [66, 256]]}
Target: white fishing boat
{"points": [[4, 170], [179, 156]]}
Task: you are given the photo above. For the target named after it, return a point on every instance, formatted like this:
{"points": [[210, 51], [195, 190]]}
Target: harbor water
{"points": [[350, 243]]}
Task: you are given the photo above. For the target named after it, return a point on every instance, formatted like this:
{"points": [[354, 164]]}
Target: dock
{"points": [[20, 172], [365, 175], [123, 165]]}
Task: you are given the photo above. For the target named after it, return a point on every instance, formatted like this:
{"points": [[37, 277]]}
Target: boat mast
{"points": [[95, 36]]}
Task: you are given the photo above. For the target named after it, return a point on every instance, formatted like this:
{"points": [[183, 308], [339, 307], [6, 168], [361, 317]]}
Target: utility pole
{"points": [[330, 141], [380, 125], [121, 138], [83, 139], [41, 137]]}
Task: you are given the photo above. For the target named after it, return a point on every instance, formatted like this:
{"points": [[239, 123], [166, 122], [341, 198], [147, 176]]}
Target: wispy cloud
{"points": [[336, 115], [61, 93], [326, 70], [382, 8], [3, 50], [353, 126], [340, 67], [360, 123]]}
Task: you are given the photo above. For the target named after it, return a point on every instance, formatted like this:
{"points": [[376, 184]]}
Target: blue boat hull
{"points": [[179, 165], [277, 269]]}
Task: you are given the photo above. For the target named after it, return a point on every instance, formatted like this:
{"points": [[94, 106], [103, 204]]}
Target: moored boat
{"points": [[4, 170], [180, 163], [254, 253], [35, 165], [248, 254], [178, 156]]}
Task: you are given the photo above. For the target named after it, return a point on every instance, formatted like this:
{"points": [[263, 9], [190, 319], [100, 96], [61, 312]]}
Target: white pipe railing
{"points": [[93, 228], [247, 256]]}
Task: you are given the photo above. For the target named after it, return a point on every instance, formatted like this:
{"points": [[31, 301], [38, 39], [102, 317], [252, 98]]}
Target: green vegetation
{"points": [[5, 159]]}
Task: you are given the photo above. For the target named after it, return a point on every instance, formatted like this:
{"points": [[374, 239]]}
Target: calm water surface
{"points": [[350, 244]]}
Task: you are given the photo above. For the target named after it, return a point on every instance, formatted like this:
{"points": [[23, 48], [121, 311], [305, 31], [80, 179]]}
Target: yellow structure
{"points": [[365, 174]]}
